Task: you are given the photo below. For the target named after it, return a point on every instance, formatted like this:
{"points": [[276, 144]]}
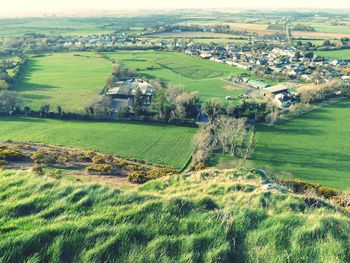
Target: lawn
{"points": [[162, 144], [70, 80], [337, 54], [193, 73], [313, 147]]}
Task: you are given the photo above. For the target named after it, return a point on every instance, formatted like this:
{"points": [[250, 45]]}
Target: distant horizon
{"points": [[39, 8]]}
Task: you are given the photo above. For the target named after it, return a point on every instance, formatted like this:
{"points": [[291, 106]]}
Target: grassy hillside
{"points": [[63, 79], [206, 217], [312, 147], [163, 144], [195, 74]]}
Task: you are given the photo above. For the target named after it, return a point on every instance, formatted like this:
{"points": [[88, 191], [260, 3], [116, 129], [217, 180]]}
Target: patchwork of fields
{"points": [[70, 80], [313, 147], [195, 74], [162, 144]]}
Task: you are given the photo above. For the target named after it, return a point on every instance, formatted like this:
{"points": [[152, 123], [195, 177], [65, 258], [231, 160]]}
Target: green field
{"points": [[337, 54], [326, 28], [63, 79], [195, 74], [162, 144], [313, 147]]}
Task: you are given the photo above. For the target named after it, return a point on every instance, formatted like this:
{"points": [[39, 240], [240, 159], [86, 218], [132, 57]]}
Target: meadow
{"points": [[214, 217], [161, 144], [205, 77], [327, 28], [337, 54], [70, 80], [313, 147]]}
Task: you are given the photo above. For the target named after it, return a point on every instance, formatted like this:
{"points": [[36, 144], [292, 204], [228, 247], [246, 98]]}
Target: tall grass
{"points": [[203, 217]]}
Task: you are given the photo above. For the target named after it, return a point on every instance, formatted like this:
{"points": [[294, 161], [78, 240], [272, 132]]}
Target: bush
{"points": [[98, 159], [57, 174], [99, 169], [40, 157], [121, 162], [63, 159], [3, 162], [138, 177], [11, 155], [299, 186], [200, 166], [160, 171], [38, 170]]}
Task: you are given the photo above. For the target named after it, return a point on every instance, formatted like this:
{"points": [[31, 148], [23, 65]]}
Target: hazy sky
{"points": [[19, 7]]}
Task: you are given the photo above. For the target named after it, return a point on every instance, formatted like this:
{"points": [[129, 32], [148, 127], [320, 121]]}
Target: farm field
{"points": [[195, 74], [326, 28], [161, 144], [249, 27], [193, 35], [313, 147], [337, 54], [70, 80], [318, 35]]}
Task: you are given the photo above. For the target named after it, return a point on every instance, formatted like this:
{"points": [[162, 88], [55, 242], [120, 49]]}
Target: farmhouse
{"points": [[281, 95], [127, 89]]}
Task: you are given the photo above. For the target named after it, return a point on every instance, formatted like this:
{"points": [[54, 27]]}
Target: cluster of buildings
{"points": [[110, 41], [287, 62], [127, 89]]}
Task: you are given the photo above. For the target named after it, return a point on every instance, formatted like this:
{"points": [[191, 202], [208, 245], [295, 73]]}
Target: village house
{"points": [[281, 94], [127, 90]]}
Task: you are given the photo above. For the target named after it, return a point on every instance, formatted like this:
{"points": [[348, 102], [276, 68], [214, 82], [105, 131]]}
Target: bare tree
{"points": [[232, 134], [204, 142], [9, 100]]}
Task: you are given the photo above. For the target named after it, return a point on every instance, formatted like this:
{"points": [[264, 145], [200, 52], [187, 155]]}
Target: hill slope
{"points": [[209, 216]]}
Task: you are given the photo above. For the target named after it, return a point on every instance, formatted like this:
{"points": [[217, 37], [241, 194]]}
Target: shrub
{"points": [[160, 171], [99, 169], [121, 162], [138, 177], [3, 162], [40, 157], [200, 166], [98, 159], [89, 155], [11, 155], [299, 186], [38, 170], [63, 159], [56, 174]]}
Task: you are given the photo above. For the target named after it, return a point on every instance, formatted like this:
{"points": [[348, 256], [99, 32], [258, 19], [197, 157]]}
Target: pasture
{"points": [[193, 73], [70, 80], [313, 147], [162, 144], [318, 35], [337, 54]]}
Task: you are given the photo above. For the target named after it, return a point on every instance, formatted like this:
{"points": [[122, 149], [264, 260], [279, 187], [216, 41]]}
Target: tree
{"points": [[213, 108], [327, 43], [204, 143], [231, 133], [9, 100], [101, 107], [137, 103]]}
